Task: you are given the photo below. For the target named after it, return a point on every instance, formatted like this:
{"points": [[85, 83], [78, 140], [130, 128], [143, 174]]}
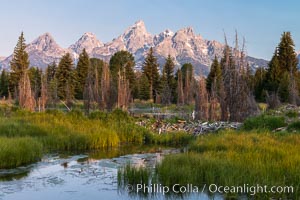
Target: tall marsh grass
{"points": [[19, 151], [232, 158], [73, 131]]}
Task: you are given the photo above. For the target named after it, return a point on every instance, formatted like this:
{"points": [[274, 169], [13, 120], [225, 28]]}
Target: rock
{"points": [[280, 129]]}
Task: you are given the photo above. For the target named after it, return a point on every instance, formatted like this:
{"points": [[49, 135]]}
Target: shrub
{"points": [[264, 122], [291, 114], [295, 126], [98, 115]]}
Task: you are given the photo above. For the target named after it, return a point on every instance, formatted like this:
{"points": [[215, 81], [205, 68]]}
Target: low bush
{"points": [[264, 122]]}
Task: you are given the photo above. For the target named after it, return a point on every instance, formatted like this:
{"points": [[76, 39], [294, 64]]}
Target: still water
{"points": [[81, 177]]}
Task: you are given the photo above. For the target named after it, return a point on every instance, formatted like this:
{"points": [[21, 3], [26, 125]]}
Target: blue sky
{"points": [[261, 22]]}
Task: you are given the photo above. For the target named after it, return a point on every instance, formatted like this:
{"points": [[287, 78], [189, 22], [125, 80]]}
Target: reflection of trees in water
{"points": [[13, 174]]}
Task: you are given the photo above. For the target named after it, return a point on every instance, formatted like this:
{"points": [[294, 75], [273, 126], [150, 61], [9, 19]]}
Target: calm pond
{"points": [[83, 176]]}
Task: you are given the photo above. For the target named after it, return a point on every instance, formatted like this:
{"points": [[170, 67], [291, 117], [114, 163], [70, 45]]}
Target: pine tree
{"points": [[19, 64], [66, 78], [166, 93], [51, 84], [82, 72], [259, 84], [144, 91], [273, 75], [4, 78], [282, 72], [35, 75], [50, 72], [150, 70], [123, 60], [214, 76], [283, 89], [287, 56], [168, 82]]}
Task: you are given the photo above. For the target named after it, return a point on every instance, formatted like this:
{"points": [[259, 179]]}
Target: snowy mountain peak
{"points": [[136, 37], [43, 43], [88, 34], [168, 32], [162, 36], [185, 46], [139, 23], [87, 41], [137, 29], [187, 30]]}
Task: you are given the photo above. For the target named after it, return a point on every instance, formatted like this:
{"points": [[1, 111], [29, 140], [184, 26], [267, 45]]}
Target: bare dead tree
{"points": [[44, 94], [26, 98], [88, 93], [239, 99], [180, 93], [201, 103], [213, 106], [189, 87], [123, 91], [293, 90], [105, 86], [272, 100]]}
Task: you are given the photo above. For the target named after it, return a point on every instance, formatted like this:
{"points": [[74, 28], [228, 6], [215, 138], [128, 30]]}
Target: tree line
{"points": [[99, 84], [230, 91]]}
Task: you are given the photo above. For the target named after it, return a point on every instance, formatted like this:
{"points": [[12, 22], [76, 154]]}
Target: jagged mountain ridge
{"points": [[184, 46]]}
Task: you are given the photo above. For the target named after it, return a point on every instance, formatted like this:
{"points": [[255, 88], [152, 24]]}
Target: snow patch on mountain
{"points": [[185, 46]]}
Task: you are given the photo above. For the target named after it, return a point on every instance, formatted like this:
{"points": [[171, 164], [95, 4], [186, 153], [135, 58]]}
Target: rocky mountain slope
{"points": [[184, 46]]}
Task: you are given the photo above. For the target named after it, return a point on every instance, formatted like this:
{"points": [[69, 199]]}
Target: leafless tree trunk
{"points": [[293, 90], [44, 94], [202, 104], [88, 92], [180, 98], [188, 93], [26, 99], [123, 91], [272, 100], [213, 107], [239, 98], [105, 86]]}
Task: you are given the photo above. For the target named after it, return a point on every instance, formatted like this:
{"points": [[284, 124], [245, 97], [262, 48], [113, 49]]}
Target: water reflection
{"points": [[81, 176]]}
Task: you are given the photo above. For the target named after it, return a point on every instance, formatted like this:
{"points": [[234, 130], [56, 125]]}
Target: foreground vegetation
{"points": [[255, 154], [25, 136], [229, 158]]}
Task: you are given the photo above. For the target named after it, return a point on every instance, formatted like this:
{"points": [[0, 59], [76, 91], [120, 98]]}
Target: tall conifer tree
{"points": [[150, 70]]}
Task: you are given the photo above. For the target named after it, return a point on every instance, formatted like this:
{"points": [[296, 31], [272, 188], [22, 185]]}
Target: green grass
{"points": [[19, 151], [265, 122], [133, 175], [294, 127], [232, 158], [291, 114], [171, 139], [73, 131]]}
